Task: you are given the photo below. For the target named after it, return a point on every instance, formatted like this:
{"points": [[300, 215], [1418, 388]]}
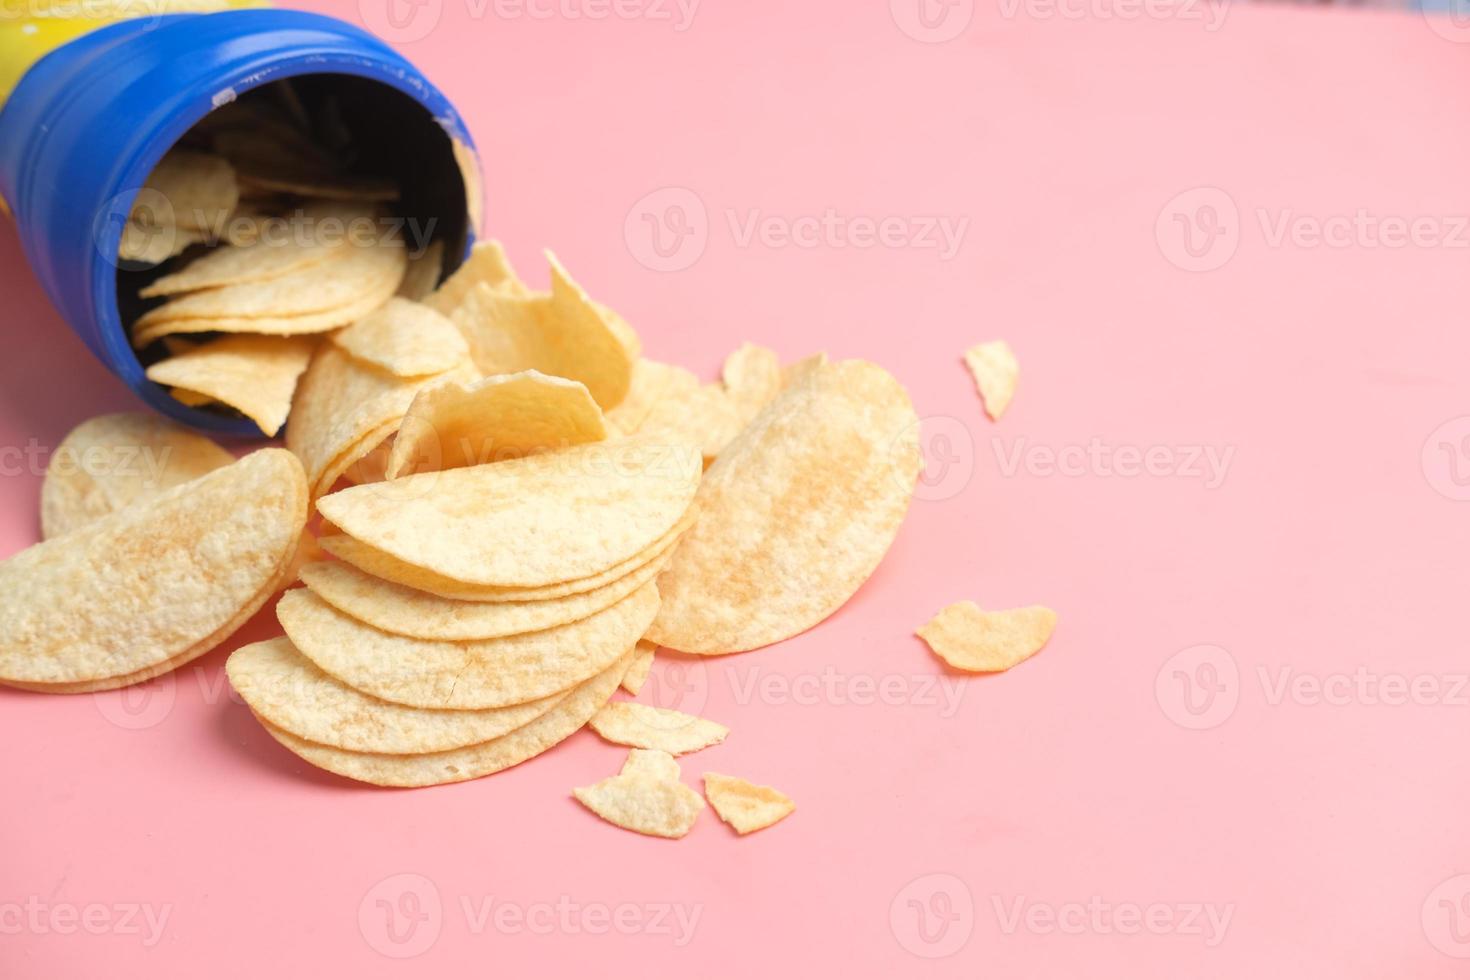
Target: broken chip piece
{"points": [[744, 805], [644, 726], [996, 371], [969, 638]]}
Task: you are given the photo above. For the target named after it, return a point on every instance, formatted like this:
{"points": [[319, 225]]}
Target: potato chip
{"points": [[156, 583], [637, 674], [279, 326], [996, 371], [112, 461], [492, 419], [404, 338], [799, 371], [752, 376], [394, 608], [525, 521], [463, 674], [344, 408], [486, 264], [293, 694], [425, 266], [644, 726], [254, 375], [562, 333], [648, 384], [473, 761], [705, 416], [795, 515], [200, 189], [744, 805], [654, 763], [621, 329], [971, 639], [194, 399], [388, 568], [305, 183], [358, 457], [152, 244], [359, 271], [643, 804], [298, 246]]}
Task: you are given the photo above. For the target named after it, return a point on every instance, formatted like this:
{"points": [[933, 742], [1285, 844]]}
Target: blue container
{"points": [[88, 122]]}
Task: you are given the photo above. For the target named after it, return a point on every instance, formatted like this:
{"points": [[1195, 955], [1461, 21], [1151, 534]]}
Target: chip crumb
{"points": [[967, 637], [744, 805], [996, 372]]}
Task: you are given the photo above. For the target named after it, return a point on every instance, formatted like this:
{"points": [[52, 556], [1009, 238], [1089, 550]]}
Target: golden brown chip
{"points": [[425, 266], [153, 585], [404, 338], [358, 271], [293, 694], [390, 569], [463, 674], [279, 326], [254, 375], [643, 803], [638, 670], [473, 761], [395, 608], [299, 245], [971, 639], [152, 244], [996, 372], [795, 514], [194, 399], [705, 416], [744, 805], [644, 726], [112, 461], [561, 333], [493, 419], [525, 522], [344, 408], [486, 264]]}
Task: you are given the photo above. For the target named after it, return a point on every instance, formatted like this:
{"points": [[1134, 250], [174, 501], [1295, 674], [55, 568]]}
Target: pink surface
{"points": [[1255, 696]]}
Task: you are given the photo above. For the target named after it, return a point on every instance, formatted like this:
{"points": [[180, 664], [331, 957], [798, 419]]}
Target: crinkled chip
{"points": [[795, 514], [292, 693], [744, 805], [281, 247], [525, 521], [425, 266], [561, 333], [252, 374], [468, 673], [344, 408], [200, 188], [643, 804], [493, 419], [112, 461], [358, 273], [644, 726], [154, 585], [967, 637], [486, 264], [996, 372], [404, 338], [277, 326], [395, 608], [472, 761], [637, 674], [388, 568]]}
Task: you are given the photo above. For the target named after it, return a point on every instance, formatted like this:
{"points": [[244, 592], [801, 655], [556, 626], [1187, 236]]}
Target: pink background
{"points": [[1148, 757]]}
